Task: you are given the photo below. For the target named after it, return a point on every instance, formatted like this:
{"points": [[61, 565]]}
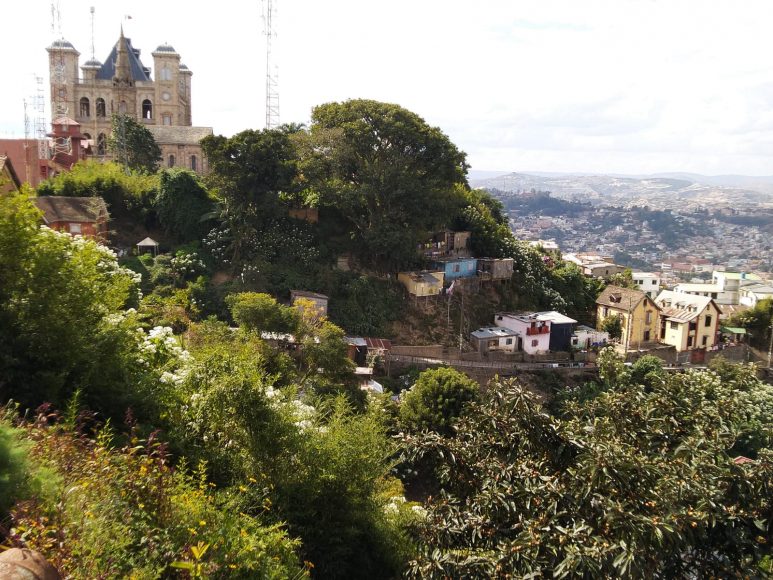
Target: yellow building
{"points": [[422, 283], [638, 315], [688, 322]]}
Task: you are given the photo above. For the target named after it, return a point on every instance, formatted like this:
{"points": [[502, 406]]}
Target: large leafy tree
{"points": [[133, 145], [250, 173], [386, 171], [639, 481], [436, 400]]}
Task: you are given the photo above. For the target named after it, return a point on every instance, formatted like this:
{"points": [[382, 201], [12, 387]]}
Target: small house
{"points": [[495, 268], [602, 269], [533, 333], [79, 216], [320, 300], [455, 268], [495, 339], [424, 283], [585, 337]]}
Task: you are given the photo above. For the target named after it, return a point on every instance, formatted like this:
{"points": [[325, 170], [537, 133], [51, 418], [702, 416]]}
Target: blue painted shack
{"points": [[455, 268]]}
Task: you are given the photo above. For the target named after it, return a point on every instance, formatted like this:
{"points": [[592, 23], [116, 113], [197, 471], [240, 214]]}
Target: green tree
{"points": [[133, 145], [183, 205], [261, 312], [390, 175], [636, 482], [613, 324], [758, 321], [249, 173], [437, 400]]}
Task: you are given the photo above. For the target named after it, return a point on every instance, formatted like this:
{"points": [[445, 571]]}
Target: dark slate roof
{"points": [[71, 209], [92, 63], [61, 44], [166, 48], [139, 71]]}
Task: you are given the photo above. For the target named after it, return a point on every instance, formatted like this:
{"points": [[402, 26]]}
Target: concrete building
{"points": [[90, 93], [647, 282], [753, 293], [561, 329], [585, 337], [495, 268], [422, 283]]}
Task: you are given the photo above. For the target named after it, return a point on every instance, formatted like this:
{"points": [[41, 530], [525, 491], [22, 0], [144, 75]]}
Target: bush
{"points": [[126, 513], [436, 400]]}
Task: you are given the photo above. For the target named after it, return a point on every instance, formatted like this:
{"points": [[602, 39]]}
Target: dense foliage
{"points": [[638, 481], [133, 145], [436, 400], [182, 205]]}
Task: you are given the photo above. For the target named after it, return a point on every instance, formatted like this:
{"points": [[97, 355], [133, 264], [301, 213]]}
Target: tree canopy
{"points": [[638, 481], [133, 145], [386, 171]]}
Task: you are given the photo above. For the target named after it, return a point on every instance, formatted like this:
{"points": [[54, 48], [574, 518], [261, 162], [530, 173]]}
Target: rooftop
{"points": [[178, 134], [71, 209], [681, 307], [494, 332], [555, 317], [139, 72], [619, 297]]}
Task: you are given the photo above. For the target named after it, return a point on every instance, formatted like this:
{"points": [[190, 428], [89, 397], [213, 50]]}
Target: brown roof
{"points": [[378, 343], [621, 298], [71, 209], [6, 165]]}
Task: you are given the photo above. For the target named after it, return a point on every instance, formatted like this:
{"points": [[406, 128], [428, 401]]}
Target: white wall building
{"points": [[533, 333], [647, 282]]}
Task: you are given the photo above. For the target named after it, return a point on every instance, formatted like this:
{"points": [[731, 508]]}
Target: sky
{"points": [[591, 86]]}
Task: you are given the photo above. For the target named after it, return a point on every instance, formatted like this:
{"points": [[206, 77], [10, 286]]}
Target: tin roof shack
{"points": [[455, 268], [447, 244], [495, 338], [320, 300], [422, 283], [495, 268], [561, 330], [78, 216], [534, 333], [357, 350]]}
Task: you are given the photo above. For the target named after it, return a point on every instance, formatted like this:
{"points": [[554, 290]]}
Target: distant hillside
{"points": [[666, 190]]}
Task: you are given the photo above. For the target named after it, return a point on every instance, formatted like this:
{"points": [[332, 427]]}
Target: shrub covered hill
{"points": [[360, 189], [157, 422]]}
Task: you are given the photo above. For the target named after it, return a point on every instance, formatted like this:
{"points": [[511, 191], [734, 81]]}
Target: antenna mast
{"points": [[59, 81], [272, 70]]}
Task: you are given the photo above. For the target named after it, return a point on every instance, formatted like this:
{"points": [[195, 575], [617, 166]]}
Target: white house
{"points": [[753, 293], [585, 337], [647, 282], [533, 334]]}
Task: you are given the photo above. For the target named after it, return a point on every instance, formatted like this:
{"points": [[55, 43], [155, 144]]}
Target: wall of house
{"points": [[532, 344], [460, 269], [418, 288], [87, 229]]}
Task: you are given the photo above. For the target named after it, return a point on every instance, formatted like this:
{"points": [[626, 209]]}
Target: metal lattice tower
{"points": [[59, 82], [272, 70], [39, 119]]}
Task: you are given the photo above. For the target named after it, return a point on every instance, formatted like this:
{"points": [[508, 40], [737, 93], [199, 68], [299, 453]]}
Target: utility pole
{"points": [[461, 321], [770, 348]]}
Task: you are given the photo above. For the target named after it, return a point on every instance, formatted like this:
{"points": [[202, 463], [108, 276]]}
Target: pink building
{"points": [[533, 334]]}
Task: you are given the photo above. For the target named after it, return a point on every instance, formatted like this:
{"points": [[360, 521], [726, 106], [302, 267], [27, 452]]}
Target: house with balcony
{"points": [[561, 329], [533, 334], [687, 321]]}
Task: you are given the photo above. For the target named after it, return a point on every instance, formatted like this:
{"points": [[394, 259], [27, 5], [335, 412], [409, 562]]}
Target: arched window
{"points": [[101, 144], [167, 119], [101, 107], [193, 162], [85, 109], [122, 107], [171, 161], [147, 109], [166, 74]]}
